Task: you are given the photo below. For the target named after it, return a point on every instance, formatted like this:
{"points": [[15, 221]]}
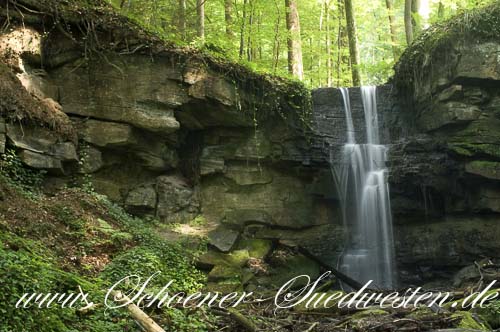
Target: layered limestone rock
{"points": [[173, 135]]}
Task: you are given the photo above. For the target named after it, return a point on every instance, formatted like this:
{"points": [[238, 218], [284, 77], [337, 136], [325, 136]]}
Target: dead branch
{"points": [[147, 322]]}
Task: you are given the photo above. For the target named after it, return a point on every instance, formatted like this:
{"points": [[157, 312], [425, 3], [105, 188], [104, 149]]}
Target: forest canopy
{"points": [[321, 42]]}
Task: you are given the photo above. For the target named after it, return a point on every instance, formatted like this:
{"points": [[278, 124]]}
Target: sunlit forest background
{"points": [[337, 42]]}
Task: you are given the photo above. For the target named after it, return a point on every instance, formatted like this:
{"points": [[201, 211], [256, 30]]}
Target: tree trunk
{"points": [[440, 10], [242, 30], [415, 17], [329, 76], [295, 66], [392, 25], [353, 43], [408, 22], [200, 10], [340, 42], [250, 35], [276, 43], [182, 19], [228, 15]]}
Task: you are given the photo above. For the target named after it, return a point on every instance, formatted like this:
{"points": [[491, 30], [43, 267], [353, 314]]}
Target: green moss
{"points": [[467, 321], [421, 313], [257, 248], [236, 258]]}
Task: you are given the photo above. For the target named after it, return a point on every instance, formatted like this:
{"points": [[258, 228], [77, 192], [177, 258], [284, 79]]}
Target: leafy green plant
{"points": [[19, 175], [22, 271]]}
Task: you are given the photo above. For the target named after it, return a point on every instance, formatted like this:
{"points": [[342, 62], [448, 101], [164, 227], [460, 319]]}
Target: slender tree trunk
{"points": [[392, 25], [329, 76], [276, 43], [182, 19], [415, 17], [340, 42], [353, 43], [295, 66], [259, 39], [320, 41], [242, 30], [440, 10], [200, 10], [408, 22], [228, 15], [250, 36]]}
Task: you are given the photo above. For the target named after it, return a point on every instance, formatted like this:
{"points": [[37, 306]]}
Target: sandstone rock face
{"points": [[174, 140], [40, 148], [444, 174], [428, 250]]}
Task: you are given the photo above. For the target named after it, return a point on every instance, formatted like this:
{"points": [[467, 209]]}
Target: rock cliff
{"points": [[176, 134]]}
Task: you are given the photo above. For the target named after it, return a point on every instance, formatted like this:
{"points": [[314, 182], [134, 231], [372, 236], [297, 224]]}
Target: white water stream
{"points": [[361, 179]]}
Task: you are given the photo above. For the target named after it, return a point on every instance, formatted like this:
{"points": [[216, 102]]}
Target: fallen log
{"points": [[144, 320], [242, 320], [354, 284]]}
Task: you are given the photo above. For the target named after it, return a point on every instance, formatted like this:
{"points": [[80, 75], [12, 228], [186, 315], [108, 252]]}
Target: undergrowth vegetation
{"points": [[81, 239]]}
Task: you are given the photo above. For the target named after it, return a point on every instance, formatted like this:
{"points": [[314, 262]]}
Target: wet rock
{"points": [[428, 250], [487, 198], [325, 242]]}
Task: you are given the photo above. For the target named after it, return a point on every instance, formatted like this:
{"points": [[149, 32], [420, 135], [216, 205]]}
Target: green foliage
{"points": [[84, 180], [153, 255], [24, 271], [19, 175], [259, 31], [491, 314], [479, 24]]}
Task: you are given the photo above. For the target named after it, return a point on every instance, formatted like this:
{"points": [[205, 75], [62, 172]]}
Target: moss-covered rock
{"points": [[257, 248], [487, 169], [290, 267], [237, 258], [224, 272], [466, 320]]}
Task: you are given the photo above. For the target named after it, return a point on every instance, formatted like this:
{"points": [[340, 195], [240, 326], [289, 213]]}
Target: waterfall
{"points": [[361, 179]]}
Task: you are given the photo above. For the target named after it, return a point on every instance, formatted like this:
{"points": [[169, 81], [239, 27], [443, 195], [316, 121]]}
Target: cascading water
{"points": [[364, 192]]}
